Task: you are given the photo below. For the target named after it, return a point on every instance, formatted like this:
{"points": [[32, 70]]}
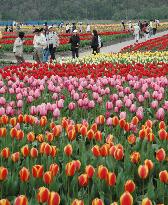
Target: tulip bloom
{"points": [[129, 186], [160, 155], [68, 150], [4, 202], [15, 157], [30, 137], [5, 153], [77, 202], [102, 172], [37, 171], [24, 174], [162, 134], [135, 157], [96, 151], [3, 173], [33, 152], [54, 168], [70, 168], [47, 177], [131, 139], [3, 132], [98, 136], [111, 179], [54, 199], [146, 201], [89, 170], [97, 202], [143, 171], [149, 164], [163, 176], [25, 150], [43, 195], [21, 200], [83, 130], [83, 180], [90, 134], [126, 199]]}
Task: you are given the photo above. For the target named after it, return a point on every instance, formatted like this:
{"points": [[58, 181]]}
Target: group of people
{"points": [[46, 42], [140, 29], [70, 28]]}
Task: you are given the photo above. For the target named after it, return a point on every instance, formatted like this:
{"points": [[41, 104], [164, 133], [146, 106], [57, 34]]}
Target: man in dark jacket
{"points": [[75, 42]]}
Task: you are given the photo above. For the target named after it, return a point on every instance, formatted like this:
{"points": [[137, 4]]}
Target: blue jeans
{"points": [[46, 54]]}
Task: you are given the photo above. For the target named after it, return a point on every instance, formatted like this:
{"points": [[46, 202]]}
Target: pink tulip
{"points": [[29, 99], [76, 96], [33, 110], [154, 104], [80, 102], [20, 103], [139, 113], [60, 103], [119, 104], [71, 106], [56, 113], [2, 90], [123, 115], [133, 108], [2, 111], [109, 105], [128, 103], [141, 98], [91, 104], [55, 96], [160, 114], [2, 101]]}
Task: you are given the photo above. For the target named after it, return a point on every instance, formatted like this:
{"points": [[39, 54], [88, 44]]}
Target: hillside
{"points": [[82, 9]]}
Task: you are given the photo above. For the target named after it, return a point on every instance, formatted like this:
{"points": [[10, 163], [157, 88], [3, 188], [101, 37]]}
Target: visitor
{"points": [[141, 28], [88, 28], [151, 28], [67, 28], [18, 48], [146, 32], [53, 41], [130, 27], [73, 27], [75, 43], [136, 32], [46, 51], [123, 24], [154, 26], [39, 43], [95, 42], [80, 27], [6, 28]]}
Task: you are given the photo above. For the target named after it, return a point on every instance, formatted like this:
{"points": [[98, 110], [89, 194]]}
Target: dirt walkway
{"points": [[108, 49]]}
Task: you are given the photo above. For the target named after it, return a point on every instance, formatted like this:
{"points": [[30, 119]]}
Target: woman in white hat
{"points": [[75, 42]]}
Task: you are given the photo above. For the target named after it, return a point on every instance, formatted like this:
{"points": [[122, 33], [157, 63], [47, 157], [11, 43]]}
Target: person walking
{"points": [[80, 27], [53, 41], [75, 43], [136, 32], [18, 48], [46, 51], [95, 42], [154, 27], [88, 28], [39, 43], [73, 27], [67, 28]]}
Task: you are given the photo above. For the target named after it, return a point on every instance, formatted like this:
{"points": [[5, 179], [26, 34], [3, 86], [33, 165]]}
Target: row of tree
{"points": [[83, 9]]}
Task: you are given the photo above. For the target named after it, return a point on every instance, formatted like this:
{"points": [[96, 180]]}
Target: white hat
{"points": [[50, 27], [75, 31]]}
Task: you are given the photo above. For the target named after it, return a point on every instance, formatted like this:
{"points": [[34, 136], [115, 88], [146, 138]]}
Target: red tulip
{"points": [[98, 136], [163, 176], [146, 201], [3, 173], [15, 156], [111, 179], [13, 121], [2, 132], [30, 137], [49, 137], [43, 121], [131, 139], [143, 171], [96, 151], [54, 199], [33, 152], [162, 134], [102, 172], [77, 202], [37, 171], [54, 168], [4, 119], [24, 174], [90, 134], [129, 186], [25, 150], [135, 157], [160, 155], [70, 169], [4, 202], [20, 135], [89, 170], [43, 195], [21, 200], [5, 153], [83, 130], [149, 164], [47, 177], [68, 150], [126, 199], [97, 202], [83, 180]]}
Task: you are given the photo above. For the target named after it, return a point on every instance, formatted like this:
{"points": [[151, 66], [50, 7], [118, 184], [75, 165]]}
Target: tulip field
{"points": [[91, 131]]}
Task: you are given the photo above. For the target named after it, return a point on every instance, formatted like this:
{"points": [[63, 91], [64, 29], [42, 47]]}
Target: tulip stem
{"points": [[143, 188], [88, 194]]}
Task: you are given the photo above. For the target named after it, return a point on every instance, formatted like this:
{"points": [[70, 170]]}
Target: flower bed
{"points": [[90, 131], [156, 44]]}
